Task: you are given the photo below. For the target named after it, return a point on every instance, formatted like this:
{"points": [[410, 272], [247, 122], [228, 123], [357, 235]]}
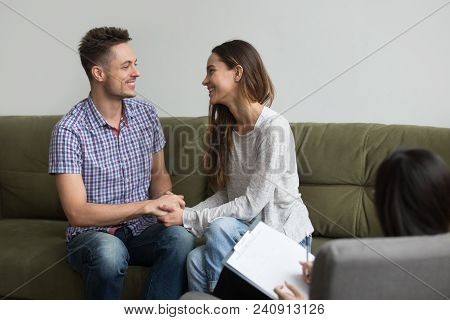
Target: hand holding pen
{"points": [[307, 270], [307, 266]]}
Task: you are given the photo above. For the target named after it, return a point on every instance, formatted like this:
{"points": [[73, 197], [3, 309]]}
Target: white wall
{"points": [[304, 44]]}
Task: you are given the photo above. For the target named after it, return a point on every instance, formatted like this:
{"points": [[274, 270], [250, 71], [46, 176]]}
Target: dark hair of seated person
{"points": [[412, 193]]}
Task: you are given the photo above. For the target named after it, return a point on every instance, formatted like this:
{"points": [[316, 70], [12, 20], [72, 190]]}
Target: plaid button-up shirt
{"points": [[115, 168]]}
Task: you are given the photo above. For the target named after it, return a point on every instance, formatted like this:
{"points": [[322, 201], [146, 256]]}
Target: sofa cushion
{"points": [[183, 155], [33, 254], [29, 194], [382, 140], [337, 165], [341, 211], [26, 191]]}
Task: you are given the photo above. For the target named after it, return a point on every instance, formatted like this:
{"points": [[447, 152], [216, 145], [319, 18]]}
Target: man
{"points": [[107, 155]]}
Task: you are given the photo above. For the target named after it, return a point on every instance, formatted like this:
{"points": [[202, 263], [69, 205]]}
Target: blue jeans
{"points": [[204, 264], [102, 259]]}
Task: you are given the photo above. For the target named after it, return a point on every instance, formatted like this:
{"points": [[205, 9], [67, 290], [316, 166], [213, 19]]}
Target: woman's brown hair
{"points": [[255, 86]]}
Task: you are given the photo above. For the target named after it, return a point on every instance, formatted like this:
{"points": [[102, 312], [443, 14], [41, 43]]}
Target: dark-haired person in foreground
{"points": [[412, 198], [107, 155]]}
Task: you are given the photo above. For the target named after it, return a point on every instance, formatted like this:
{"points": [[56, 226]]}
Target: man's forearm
{"points": [[160, 184], [93, 214]]}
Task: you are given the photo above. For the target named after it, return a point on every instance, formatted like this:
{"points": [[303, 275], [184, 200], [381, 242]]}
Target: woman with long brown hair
{"points": [[251, 159]]}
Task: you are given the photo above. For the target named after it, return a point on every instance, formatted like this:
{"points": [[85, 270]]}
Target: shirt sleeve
{"points": [[158, 135], [217, 199], [270, 163], [64, 152]]}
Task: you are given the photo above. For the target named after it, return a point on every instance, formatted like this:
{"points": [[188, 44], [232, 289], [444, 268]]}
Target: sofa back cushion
{"points": [[336, 162], [27, 191], [183, 155], [337, 165]]}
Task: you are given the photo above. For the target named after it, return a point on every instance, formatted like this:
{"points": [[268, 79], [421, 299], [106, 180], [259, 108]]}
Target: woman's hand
{"points": [[307, 270], [291, 292], [288, 292], [173, 217]]}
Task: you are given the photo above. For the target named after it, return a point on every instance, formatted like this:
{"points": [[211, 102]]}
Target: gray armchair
{"points": [[383, 268]]}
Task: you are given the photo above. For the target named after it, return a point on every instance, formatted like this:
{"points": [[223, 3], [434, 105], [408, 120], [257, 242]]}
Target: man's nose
{"points": [[136, 72]]}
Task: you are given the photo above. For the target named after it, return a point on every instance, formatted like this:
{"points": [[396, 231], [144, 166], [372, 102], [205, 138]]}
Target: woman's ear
{"points": [[239, 71]]}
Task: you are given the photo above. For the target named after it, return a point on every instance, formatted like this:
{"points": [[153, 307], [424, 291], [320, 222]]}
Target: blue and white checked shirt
{"points": [[115, 168]]}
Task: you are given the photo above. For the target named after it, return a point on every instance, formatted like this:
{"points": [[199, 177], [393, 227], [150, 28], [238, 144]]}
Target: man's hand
{"points": [[173, 217], [181, 201], [169, 199]]}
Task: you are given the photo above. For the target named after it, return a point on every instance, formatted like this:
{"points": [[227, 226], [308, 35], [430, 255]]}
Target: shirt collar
{"points": [[128, 108], [97, 119]]}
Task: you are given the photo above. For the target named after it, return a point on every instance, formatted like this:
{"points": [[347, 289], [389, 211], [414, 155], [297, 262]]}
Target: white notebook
{"points": [[266, 258]]}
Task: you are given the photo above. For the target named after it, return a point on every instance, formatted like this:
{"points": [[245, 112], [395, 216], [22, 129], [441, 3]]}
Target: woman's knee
{"points": [[224, 227], [195, 259], [179, 239], [196, 273]]}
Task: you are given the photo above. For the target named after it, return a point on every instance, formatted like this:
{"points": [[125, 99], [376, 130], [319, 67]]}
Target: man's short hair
{"points": [[95, 46]]}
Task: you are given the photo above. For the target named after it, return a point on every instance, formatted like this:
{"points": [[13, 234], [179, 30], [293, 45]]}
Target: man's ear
{"points": [[238, 72], [98, 73]]}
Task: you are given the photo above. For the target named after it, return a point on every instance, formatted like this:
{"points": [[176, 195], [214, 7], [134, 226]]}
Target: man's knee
{"points": [[108, 256]]}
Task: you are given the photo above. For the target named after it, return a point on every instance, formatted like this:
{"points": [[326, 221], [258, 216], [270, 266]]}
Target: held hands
{"points": [[171, 199], [173, 213], [173, 216], [289, 291], [154, 207]]}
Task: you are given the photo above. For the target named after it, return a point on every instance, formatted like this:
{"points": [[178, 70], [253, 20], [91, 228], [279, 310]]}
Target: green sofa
{"points": [[337, 165]]}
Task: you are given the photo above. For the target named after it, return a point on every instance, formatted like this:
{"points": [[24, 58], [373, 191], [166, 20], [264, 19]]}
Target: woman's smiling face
{"points": [[220, 81]]}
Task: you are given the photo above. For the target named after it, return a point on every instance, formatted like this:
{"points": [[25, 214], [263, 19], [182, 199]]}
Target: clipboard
{"points": [[265, 258]]}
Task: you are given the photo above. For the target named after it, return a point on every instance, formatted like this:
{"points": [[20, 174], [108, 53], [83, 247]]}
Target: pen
{"points": [[308, 249]]}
